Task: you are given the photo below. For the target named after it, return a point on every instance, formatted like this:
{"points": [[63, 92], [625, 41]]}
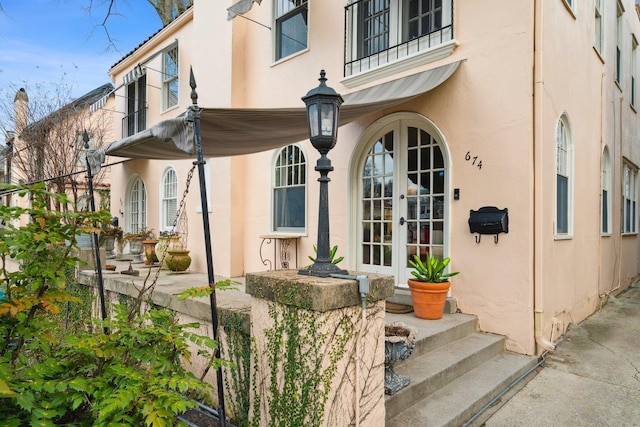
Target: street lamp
{"points": [[323, 114]]}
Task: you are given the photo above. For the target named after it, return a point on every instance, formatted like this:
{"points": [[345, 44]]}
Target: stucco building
{"points": [[450, 106]]}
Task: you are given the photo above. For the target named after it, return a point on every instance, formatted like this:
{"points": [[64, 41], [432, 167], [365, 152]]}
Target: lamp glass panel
{"points": [[312, 116], [327, 119]]}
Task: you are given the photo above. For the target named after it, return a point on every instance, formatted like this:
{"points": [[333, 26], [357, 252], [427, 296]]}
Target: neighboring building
{"points": [[51, 149], [530, 106]]}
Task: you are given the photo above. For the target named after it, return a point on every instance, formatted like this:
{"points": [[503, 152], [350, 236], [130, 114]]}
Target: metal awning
{"points": [[237, 131]]}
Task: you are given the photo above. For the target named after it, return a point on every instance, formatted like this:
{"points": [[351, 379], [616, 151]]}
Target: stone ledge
{"points": [[229, 302], [315, 293]]}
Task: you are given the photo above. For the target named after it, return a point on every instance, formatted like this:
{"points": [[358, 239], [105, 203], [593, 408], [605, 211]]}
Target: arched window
{"points": [[290, 190], [564, 179], [168, 199], [606, 192], [136, 208]]}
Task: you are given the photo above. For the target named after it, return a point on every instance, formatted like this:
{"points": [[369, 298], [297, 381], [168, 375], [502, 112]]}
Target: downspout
{"points": [[538, 135]]}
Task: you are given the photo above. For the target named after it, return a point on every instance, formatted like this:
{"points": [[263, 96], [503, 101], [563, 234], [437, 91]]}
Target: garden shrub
{"points": [[124, 371]]}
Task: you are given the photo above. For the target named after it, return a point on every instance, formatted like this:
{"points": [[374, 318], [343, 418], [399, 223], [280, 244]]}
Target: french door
{"points": [[402, 209]]}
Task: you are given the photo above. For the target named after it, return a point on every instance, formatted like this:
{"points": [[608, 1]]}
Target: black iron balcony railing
{"points": [[134, 122], [379, 32]]}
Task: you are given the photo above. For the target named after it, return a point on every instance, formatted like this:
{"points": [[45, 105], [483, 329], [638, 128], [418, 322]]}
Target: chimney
{"points": [[20, 111]]}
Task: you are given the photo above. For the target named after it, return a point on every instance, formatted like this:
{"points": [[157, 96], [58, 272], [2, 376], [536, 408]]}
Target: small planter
{"points": [[178, 260], [150, 251], [202, 416], [136, 249], [109, 244], [428, 299], [399, 342]]}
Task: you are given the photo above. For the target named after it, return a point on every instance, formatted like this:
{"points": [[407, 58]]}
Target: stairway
{"points": [[455, 370]]}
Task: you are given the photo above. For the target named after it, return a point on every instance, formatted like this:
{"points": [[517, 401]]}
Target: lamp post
{"points": [[323, 114]]}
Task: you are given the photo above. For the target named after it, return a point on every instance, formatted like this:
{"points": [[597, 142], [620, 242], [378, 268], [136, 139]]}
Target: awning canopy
{"points": [[236, 131]]}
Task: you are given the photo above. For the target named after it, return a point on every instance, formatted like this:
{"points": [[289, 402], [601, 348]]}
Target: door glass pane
{"points": [[425, 196], [377, 203]]}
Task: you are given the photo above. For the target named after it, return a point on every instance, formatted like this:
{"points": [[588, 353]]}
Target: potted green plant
{"points": [[135, 239], [429, 286], [109, 234]]}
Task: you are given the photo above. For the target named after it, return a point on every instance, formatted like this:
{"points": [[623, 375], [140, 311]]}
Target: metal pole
{"points": [[94, 236], [207, 245]]}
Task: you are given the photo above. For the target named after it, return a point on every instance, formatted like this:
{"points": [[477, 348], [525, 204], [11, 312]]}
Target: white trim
{"points": [[289, 232], [403, 64], [392, 122], [564, 119]]}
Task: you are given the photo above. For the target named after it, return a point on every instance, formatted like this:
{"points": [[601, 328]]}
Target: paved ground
{"points": [[593, 377]]}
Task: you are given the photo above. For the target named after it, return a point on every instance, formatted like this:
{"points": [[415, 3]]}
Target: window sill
{"points": [[598, 54], [633, 108], [563, 237], [569, 8], [283, 236], [287, 58], [618, 85], [630, 234], [402, 64], [174, 107]]}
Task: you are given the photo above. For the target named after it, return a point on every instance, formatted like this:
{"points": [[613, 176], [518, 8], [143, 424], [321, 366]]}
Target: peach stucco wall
{"points": [[523, 65]]}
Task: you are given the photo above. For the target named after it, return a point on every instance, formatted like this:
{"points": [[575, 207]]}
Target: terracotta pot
{"points": [[150, 251], [428, 298], [178, 260]]}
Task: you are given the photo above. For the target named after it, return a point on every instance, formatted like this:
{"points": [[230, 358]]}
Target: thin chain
{"points": [[175, 220]]}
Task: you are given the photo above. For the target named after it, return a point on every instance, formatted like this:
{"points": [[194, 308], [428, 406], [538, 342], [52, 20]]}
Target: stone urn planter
{"points": [[109, 244], [150, 251], [399, 342], [178, 260], [136, 250]]}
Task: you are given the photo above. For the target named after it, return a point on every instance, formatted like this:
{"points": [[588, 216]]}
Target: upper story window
{"points": [[620, 11], [383, 31], [291, 27], [289, 190], [169, 199], [606, 192], [634, 65], [135, 119], [170, 80], [598, 41], [630, 199], [564, 179]]}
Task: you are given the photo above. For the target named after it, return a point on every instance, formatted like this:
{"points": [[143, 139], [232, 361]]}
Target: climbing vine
{"points": [[302, 354]]}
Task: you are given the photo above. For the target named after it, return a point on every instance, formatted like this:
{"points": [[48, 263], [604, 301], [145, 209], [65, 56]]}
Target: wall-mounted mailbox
{"points": [[489, 220]]}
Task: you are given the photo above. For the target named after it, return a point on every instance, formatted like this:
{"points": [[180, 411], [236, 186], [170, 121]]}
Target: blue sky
{"points": [[45, 42]]}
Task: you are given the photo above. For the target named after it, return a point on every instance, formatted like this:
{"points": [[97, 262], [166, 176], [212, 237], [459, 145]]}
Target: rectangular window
{"points": [[291, 27], [606, 192], [135, 119], [620, 11], [564, 184], [382, 31], [630, 199], [598, 39], [632, 89], [289, 190], [170, 82]]}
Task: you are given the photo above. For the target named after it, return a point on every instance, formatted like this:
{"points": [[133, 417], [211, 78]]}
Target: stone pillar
{"points": [[317, 358]]}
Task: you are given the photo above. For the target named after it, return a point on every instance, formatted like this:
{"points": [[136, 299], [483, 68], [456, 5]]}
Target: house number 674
{"points": [[473, 159]]}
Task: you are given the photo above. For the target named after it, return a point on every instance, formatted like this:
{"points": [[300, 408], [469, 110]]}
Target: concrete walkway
{"points": [[593, 377]]}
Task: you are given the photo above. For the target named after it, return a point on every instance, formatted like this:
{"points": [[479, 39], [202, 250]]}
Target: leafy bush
{"points": [[50, 376]]}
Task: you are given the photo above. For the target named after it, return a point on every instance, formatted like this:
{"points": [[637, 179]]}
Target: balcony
{"points": [[383, 32]]}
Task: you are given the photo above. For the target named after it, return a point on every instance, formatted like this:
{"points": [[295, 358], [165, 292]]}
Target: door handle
{"points": [[402, 220]]}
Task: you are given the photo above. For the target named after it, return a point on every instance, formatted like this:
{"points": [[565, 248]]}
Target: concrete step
{"points": [[456, 402], [434, 369], [433, 334]]}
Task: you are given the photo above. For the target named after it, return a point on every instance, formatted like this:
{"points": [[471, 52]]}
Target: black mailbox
{"points": [[489, 220]]}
